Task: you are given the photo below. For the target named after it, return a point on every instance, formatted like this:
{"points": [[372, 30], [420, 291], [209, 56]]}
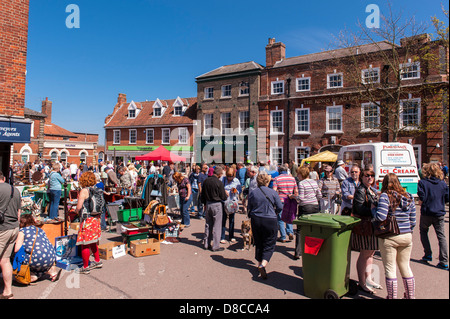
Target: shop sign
{"points": [[15, 132]]}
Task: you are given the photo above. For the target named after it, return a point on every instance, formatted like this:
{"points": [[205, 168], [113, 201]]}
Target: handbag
{"points": [[386, 228], [160, 218], [289, 212], [23, 275]]}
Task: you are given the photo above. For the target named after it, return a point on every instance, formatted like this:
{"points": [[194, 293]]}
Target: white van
{"points": [[397, 158]]}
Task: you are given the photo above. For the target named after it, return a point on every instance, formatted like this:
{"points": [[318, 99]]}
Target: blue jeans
{"points": [[225, 216], [194, 201], [284, 228], [55, 197], [184, 210]]}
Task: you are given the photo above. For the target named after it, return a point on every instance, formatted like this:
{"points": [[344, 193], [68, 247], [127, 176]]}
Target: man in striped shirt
{"points": [[285, 185]]}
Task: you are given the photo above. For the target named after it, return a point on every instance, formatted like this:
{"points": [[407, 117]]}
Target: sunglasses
{"points": [[369, 175], [355, 172]]}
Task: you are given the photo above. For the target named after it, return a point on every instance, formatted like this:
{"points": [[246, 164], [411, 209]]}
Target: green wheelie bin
{"points": [[325, 240]]}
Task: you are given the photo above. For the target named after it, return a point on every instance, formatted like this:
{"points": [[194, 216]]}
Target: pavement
{"points": [[186, 271]]}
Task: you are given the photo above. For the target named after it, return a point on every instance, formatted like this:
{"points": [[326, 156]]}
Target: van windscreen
{"points": [[395, 158]]}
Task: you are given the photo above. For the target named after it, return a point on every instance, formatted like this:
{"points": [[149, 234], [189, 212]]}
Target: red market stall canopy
{"points": [[161, 154]]}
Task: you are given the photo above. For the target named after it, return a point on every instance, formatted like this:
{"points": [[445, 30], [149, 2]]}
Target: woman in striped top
{"points": [[396, 249], [309, 196]]}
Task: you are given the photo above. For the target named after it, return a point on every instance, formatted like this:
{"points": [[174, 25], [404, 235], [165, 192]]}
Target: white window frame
{"points": [[211, 124], [341, 75], [402, 126], [363, 122], [209, 93], [224, 90], [241, 130], [222, 124], [162, 135], [116, 135], [183, 135], [147, 136], [302, 79], [328, 131], [280, 150], [307, 151], [297, 119], [244, 89], [61, 155], [273, 83], [130, 116], [154, 111], [404, 66], [364, 78], [130, 131], [272, 132]]}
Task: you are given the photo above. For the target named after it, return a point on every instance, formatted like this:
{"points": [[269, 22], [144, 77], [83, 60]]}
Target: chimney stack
{"points": [[275, 51], [47, 110], [122, 98]]}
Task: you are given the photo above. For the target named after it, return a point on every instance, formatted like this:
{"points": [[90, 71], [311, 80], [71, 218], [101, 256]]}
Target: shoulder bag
{"points": [[23, 274], [388, 227]]}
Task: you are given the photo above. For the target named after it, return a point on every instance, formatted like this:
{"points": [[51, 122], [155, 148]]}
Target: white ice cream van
{"points": [[397, 158]]}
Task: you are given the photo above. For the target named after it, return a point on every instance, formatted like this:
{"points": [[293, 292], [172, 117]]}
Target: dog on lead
{"points": [[246, 231]]}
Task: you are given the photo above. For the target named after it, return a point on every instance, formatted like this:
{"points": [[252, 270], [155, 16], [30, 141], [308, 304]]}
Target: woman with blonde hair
{"points": [[90, 229], [264, 205], [396, 249], [433, 194]]}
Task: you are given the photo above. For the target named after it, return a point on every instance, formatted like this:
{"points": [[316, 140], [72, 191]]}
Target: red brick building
{"points": [[13, 57], [51, 142], [136, 128], [310, 103]]}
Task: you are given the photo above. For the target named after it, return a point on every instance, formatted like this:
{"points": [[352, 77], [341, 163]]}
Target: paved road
{"points": [[185, 270]]}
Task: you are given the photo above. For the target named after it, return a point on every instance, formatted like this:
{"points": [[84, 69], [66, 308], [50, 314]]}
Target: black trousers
{"points": [[265, 235], [302, 210]]}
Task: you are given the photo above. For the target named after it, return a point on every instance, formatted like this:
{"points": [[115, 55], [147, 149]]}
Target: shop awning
{"points": [[161, 154], [326, 156]]}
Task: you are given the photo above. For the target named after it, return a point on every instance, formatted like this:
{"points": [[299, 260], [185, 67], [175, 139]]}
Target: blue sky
{"points": [[152, 49]]}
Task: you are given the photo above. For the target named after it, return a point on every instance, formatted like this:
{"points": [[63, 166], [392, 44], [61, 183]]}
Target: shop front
{"points": [[226, 149], [127, 154], [12, 131]]}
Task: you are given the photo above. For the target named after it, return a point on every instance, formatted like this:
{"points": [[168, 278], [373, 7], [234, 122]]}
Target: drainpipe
{"points": [[288, 111]]}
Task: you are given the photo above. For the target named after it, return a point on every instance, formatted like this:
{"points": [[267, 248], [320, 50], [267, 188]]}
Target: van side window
{"points": [[368, 159]]}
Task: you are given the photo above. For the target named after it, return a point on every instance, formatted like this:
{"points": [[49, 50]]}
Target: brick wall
{"points": [[13, 55]]}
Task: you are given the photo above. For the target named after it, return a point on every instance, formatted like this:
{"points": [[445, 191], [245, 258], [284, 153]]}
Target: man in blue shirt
{"points": [[348, 187]]}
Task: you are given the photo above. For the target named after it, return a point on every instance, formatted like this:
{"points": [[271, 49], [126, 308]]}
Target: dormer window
{"points": [[158, 108], [178, 107], [133, 111], [178, 111]]}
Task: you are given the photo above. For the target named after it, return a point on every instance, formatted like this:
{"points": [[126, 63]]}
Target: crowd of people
{"points": [[215, 193]]}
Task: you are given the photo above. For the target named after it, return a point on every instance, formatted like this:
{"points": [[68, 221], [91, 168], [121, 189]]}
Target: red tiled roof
{"points": [[55, 130], [145, 116]]}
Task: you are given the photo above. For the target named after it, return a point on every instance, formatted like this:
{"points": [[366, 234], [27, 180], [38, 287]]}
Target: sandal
{"points": [[374, 286], [366, 290], [55, 277], [7, 296]]}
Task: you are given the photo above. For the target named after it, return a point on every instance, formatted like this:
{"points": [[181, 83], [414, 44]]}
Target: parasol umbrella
{"points": [[161, 154]]}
